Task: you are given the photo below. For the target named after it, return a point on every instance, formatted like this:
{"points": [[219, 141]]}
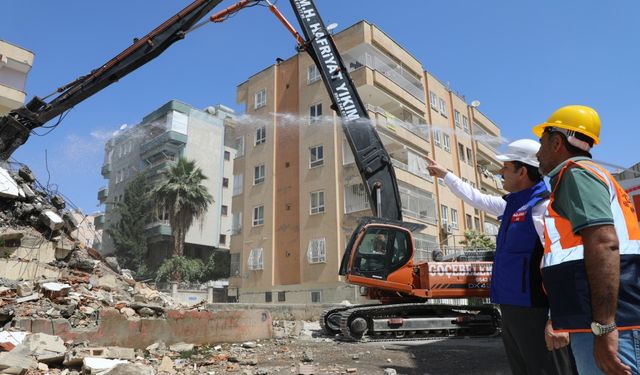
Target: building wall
{"points": [[15, 64], [396, 91], [175, 129]]}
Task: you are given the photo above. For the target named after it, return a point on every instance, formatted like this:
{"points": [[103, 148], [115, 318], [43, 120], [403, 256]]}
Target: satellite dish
{"points": [[331, 26], [475, 103]]}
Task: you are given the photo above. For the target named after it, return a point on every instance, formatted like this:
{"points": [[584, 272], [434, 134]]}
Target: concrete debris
{"points": [[76, 356], [92, 366], [390, 371], [129, 369], [44, 348], [14, 338], [181, 347], [166, 366], [55, 290], [8, 186], [52, 220], [16, 362], [24, 289]]}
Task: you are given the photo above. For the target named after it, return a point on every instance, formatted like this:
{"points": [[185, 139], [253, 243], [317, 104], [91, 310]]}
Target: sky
{"points": [[520, 59]]}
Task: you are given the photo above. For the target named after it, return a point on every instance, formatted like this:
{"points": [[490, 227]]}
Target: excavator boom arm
{"points": [[16, 126]]}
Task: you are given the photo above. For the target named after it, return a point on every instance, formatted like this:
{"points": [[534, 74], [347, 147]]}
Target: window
{"points": [[258, 215], [227, 155], [461, 152], [355, 199], [258, 174], [456, 118], [223, 210], [417, 203], [442, 106], [317, 202], [260, 99], [469, 156], [237, 184], [445, 142], [347, 155], [223, 239], [436, 137], [316, 157], [433, 100], [465, 124], [236, 223], [316, 252], [469, 222], [255, 259], [316, 296], [315, 113], [261, 135], [445, 214], [313, 74], [239, 145], [454, 218], [234, 264], [282, 296], [476, 222], [225, 182], [268, 297]]}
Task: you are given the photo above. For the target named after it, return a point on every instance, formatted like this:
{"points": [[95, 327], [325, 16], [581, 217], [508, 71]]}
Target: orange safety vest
{"points": [[563, 270]]}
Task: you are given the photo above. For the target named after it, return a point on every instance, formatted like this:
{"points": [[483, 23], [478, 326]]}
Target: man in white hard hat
{"points": [[531, 345]]}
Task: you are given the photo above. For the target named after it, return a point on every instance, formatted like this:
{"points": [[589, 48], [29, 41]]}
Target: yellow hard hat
{"points": [[577, 118]]}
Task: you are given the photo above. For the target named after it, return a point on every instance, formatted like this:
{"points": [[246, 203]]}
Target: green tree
{"points": [[180, 268], [477, 241], [184, 198], [217, 266], [128, 232]]}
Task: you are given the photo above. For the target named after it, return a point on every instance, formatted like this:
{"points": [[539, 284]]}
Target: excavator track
{"points": [[418, 321], [330, 319]]}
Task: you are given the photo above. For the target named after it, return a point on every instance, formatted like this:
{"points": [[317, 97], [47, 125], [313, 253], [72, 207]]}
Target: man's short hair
{"points": [[532, 172]]}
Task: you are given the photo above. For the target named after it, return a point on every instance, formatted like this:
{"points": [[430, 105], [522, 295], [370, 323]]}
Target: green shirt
{"points": [[581, 197]]}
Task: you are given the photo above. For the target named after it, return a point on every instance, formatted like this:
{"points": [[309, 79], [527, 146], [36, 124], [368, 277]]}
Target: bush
{"points": [[180, 268]]}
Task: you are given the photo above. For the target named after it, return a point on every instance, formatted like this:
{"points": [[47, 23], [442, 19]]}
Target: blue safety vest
{"points": [[515, 278]]}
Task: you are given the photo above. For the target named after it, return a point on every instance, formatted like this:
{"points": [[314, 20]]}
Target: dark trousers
{"points": [[523, 338]]}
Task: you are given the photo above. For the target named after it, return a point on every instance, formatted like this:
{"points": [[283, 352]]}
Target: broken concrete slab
{"points": [[16, 362], [29, 298], [54, 290], [13, 269], [8, 234], [45, 348], [64, 247], [14, 337], [29, 194], [51, 219], [25, 173], [8, 186], [24, 289], [58, 202], [181, 347], [106, 282], [129, 369], [97, 365], [76, 356], [166, 366]]}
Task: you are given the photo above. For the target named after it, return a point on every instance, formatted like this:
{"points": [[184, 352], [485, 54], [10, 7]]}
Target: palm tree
{"points": [[184, 198]]}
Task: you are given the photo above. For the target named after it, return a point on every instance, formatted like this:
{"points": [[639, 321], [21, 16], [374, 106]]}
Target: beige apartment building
{"points": [[297, 192], [15, 64]]}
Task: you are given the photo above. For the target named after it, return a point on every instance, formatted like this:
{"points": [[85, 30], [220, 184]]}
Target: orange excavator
{"points": [[380, 254]]}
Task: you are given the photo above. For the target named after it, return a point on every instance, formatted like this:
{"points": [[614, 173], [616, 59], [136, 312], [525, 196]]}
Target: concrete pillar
{"points": [[210, 294], [174, 289]]}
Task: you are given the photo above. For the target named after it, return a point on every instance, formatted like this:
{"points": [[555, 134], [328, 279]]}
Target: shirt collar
{"points": [[559, 167]]}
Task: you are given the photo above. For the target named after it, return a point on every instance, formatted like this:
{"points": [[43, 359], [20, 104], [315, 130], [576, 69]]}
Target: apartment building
{"points": [[629, 180], [298, 194], [174, 130], [15, 64]]}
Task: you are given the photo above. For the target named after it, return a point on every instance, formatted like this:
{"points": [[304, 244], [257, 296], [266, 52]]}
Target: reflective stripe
{"points": [[566, 255]]}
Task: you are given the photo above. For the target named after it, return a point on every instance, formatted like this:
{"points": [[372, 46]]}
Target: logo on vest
{"points": [[518, 216]]}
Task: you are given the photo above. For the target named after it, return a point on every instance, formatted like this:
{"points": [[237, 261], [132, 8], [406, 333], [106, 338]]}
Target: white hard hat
{"points": [[522, 150]]}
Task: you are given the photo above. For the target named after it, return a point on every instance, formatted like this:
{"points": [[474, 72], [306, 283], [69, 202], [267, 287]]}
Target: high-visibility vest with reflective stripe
{"points": [[563, 269]]}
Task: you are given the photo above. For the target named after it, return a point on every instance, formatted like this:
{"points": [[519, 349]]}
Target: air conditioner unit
{"points": [[447, 229]]}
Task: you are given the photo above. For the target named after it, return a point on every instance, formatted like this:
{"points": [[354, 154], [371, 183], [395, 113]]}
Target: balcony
{"points": [[392, 122], [168, 141], [105, 171], [366, 55], [103, 194], [10, 98], [415, 168], [98, 222], [157, 231]]}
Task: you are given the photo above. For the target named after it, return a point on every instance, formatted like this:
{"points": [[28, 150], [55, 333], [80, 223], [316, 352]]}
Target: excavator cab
{"points": [[380, 254]]}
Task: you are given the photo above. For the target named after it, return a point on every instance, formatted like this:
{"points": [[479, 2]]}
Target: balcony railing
{"points": [[369, 56], [105, 170], [103, 194], [405, 167], [169, 137], [421, 131]]}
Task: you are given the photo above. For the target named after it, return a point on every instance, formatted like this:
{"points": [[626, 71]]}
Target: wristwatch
{"points": [[602, 329]]}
